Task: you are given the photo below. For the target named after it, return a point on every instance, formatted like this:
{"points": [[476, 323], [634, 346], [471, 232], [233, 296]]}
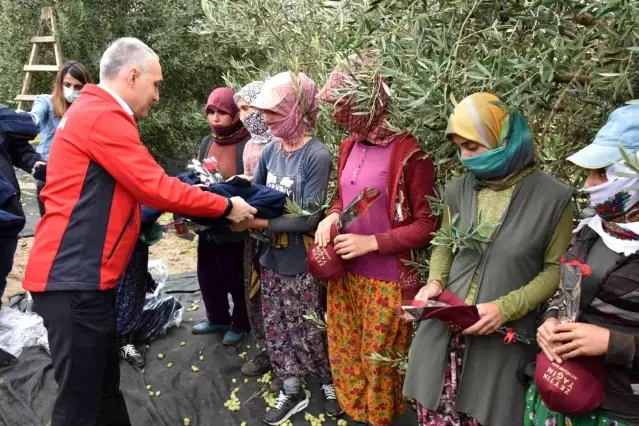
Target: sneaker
{"points": [[259, 365], [206, 327], [331, 405], [276, 386], [285, 407], [132, 356], [232, 338]]}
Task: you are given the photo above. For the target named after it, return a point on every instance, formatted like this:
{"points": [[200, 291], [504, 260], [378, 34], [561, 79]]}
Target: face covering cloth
{"points": [[616, 205], [292, 96]]}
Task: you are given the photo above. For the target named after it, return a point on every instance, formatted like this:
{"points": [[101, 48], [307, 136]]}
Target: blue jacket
{"points": [[16, 130], [47, 122], [10, 224]]}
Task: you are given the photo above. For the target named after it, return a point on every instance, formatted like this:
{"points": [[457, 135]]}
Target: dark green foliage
{"points": [[190, 66]]}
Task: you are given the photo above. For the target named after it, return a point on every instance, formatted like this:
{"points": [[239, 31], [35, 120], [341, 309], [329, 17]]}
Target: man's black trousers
{"points": [[84, 352]]}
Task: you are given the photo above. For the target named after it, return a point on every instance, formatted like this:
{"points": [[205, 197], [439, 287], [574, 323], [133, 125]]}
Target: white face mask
{"points": [[69, 94]]}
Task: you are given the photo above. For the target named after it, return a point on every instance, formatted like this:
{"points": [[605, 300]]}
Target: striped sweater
{"points": [[610, 299]]}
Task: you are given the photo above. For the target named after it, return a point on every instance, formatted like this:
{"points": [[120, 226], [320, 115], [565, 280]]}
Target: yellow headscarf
{"points": [[479, 119]]}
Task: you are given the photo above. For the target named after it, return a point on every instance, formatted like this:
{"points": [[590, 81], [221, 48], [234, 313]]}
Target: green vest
{"points": [[490, 388]]}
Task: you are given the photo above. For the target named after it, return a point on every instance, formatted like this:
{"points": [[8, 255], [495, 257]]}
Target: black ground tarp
{"points": [[27, 389]]}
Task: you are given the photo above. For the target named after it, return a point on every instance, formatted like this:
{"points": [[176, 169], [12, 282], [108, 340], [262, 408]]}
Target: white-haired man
{"points": [[98, 174]]}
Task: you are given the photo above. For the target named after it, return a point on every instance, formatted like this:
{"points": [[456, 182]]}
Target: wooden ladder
{"points": [[47, 19]]}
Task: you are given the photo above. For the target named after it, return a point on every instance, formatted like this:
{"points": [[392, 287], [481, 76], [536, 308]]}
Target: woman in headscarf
{"points": [[608, 243], [220, 266], [514, 223], [131, 292], [360, 313], [261, 136], [253, 121], [298, 165]]}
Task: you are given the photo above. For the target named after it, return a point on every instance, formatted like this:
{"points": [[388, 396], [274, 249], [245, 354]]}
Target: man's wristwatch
{"points": [[229, 207]]}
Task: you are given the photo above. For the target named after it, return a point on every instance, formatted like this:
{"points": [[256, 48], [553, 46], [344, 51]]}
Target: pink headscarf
{"points": [[291, 95]]}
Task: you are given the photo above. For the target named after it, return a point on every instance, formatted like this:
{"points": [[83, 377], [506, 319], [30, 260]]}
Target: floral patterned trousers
{"points": [[296, 347], [537, 414], [445, 415], [253, 305], [361, 320], [131, 293]]}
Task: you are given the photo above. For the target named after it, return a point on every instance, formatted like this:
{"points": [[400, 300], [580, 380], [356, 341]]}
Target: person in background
{"points": [[132, 289], [261, 136], [47, 110], [298, 165], [609, 322], [16, 130], [253, 121], [220, 269], [361, 305], [525, 215], [98, 174]]}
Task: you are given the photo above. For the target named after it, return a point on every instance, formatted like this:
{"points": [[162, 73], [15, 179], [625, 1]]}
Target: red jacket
{"points": [[411, 179], [97, 175]]}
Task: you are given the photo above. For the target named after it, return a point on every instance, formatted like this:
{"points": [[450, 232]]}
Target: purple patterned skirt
{"points": [[445, 415]]}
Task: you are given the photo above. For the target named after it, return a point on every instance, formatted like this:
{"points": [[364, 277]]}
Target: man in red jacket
{"points": [[97, 175]]}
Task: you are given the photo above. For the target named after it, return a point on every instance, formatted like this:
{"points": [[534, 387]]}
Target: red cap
{"points": [[323, 263], [457, 318], [574, 387]]}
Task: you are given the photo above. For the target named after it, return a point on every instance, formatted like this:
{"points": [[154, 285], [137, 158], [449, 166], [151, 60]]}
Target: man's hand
{"points": [[579, 339], [323, 233], [544, 338], [241, 210], [350, 246], [490, 320]]}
